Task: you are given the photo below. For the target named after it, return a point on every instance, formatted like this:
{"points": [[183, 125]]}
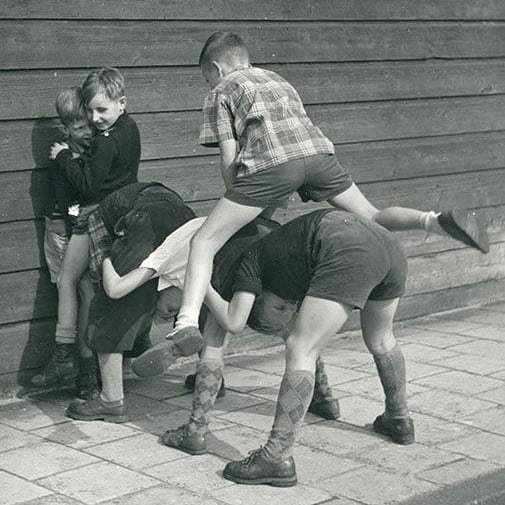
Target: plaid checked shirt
{"points": [[265, 115]]}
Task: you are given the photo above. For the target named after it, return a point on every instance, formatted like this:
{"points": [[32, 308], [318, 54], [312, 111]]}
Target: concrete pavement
{"points": [[456, 374]]}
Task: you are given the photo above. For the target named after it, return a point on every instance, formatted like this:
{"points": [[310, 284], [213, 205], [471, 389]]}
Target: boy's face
{"points": [[104, 112], [274, 313], [79, 132]]}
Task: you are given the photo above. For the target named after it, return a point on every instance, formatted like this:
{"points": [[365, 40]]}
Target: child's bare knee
{"points": [[380, 343]]}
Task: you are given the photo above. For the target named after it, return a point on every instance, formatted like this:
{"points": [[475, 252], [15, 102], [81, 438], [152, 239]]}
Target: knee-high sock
{"points": [[391, 368], [209, 374], [295, 394], [322, 390]]}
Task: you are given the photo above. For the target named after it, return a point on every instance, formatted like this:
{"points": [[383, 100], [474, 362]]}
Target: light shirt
{"points": [[170, 259]]}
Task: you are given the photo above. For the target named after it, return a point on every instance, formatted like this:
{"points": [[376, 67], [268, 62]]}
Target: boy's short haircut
{"points": [[106, 80], [222, 45], [70, 105]]}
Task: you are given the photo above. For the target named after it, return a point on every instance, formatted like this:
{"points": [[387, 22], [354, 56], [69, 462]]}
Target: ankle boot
{"points": [[62, 367]]}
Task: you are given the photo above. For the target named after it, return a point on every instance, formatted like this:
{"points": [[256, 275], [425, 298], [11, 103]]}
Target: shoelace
{"points": [[252, 455]]}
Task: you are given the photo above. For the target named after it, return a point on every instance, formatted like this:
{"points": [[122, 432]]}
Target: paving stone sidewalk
{"points": [[456, 374]]}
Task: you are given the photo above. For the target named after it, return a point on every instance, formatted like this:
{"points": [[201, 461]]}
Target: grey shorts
{"points": [[316, 178]]}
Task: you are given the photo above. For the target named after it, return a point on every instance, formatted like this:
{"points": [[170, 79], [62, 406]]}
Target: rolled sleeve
{"points": [[217, 121]]}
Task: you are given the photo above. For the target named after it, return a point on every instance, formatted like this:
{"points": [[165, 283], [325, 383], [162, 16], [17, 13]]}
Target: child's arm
{"points": [[231, 316], [87, 175], [228, 150], [117, 286]]}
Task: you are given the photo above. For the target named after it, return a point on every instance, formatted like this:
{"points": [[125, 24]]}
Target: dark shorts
{"points": [[356, 260], [316, 178]]}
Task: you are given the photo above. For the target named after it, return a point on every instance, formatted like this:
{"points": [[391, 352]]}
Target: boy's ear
{"points": [[62, 129], [122, 102], [218, 67]]}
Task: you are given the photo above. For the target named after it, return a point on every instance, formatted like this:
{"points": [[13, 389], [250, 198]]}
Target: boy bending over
{"points": [[270, 149], [329, 262]]}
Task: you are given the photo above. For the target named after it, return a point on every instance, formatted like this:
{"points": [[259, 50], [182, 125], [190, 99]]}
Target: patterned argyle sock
{"points": [[294, 398], [209, 374], [391, 368]]}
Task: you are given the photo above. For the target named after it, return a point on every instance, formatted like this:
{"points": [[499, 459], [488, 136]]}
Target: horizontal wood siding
{"points": [[411, 93]]}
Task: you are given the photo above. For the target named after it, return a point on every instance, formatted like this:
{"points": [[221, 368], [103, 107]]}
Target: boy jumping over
{"points": [[270, 149]]}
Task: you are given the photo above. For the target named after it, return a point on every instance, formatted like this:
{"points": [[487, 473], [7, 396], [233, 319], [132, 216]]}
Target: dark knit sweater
{"points": [[111, 162]]}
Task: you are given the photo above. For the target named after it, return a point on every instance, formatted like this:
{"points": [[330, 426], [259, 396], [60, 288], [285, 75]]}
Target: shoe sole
{"points": [[466, 227], [396, 439], [188, 341], [107, 418], [156, 360], [270, 481]]}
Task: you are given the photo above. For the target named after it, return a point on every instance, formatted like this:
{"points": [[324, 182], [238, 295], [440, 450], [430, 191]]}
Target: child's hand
{"points": [[56, 148]]}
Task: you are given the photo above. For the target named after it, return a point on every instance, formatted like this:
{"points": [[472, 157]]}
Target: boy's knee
{"points": [[380, 344]]}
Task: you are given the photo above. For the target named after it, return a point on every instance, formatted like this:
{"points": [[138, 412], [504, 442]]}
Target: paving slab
{"points": [[98, 482], [371, 486], [457, 471], [432, 431], [81, 434], [45, 458], [199, 474], [163, 495], [460, 382], [137, 452], [447, 405], [248, 495], [485, 446], [11, 438], [442, 340], [488, 420], [16, 490]]}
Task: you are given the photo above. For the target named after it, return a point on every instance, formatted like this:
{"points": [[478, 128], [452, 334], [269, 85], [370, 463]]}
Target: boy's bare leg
{"points": [[377, 327], [109, 405], [74, 265], [191, 437], [62, 367], [464, 226], [224, 220], [317, 322]]}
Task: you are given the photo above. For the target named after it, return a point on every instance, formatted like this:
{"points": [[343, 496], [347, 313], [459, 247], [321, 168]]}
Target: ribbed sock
{"points": [[295, 394], [391, 368], [65, 335]]}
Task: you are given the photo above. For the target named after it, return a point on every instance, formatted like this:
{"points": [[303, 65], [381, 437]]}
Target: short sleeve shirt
{"points": [[170, 259], [265, 115]]}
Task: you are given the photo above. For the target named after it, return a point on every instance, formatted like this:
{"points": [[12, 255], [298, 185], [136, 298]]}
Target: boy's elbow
{"points": [[111, 291], [236, 327]]}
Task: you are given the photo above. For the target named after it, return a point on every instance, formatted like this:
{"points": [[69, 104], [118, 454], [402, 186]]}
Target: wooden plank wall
{"points": [[411, 93]]}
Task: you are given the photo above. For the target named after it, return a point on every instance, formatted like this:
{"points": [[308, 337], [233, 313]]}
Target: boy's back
{"points": [[266, 116]]}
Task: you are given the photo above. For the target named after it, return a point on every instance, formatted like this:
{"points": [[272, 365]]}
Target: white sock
{"points": [[429, 221]]}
